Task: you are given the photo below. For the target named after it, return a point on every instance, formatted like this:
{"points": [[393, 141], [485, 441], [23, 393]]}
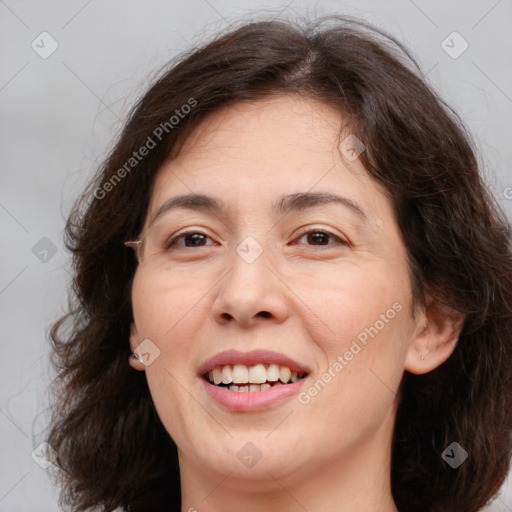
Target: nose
{"points": [[251, 292]]}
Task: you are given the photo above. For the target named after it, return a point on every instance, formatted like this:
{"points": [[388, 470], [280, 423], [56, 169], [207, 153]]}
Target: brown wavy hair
{"points": [[113, 450]]}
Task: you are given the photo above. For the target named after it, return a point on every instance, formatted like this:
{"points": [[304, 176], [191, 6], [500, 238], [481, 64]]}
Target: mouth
{"points": [[251, 381], [242, 378]]}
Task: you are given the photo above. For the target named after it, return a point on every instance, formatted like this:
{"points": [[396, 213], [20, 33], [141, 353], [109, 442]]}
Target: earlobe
{"points": [[133, 360], [433, 344]]}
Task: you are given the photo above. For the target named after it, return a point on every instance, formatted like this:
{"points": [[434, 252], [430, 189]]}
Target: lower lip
{"points": [[252, 400]]}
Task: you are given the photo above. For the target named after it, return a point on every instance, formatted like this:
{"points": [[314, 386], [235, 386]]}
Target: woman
{"points": [[316, 314]]}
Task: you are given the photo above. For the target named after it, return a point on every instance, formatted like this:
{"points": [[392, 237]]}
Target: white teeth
{"points": [[284, 374], [252, 387], [227, 377], [217, 375], [273, 373], [240, 374], [257, 374], [254, 378]]}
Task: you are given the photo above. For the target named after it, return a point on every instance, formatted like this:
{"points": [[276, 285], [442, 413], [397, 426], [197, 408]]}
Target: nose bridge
{"points": [[251, 261], [250, 286], [250, 274]]}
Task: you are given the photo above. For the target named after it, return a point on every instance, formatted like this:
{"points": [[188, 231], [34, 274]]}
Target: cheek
{"points": [[164, 308], [353, 302], [367, 319], [167, 311]]}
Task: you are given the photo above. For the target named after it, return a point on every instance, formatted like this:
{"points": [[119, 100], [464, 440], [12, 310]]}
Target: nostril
{"points": [[265, 314]]}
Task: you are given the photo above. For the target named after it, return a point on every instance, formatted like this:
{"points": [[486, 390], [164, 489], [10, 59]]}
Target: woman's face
{"points": [[283, 282]]}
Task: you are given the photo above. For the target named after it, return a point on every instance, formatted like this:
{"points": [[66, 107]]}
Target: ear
{"points": [[134, 342], [439, 327]]}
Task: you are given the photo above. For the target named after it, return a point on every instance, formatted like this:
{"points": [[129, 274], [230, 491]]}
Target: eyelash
{"points": [[172, 241]]}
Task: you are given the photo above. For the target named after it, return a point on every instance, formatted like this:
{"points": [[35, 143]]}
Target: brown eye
{"points": [[318, 237], [190, 238]]}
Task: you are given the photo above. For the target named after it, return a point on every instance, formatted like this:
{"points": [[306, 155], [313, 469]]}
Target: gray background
{"points": [[59, 117]]}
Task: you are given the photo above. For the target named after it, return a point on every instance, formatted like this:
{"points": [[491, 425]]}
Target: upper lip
{"points": [[251, 358]]}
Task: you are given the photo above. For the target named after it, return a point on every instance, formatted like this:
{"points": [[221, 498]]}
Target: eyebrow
{"points": [[284, 204]]}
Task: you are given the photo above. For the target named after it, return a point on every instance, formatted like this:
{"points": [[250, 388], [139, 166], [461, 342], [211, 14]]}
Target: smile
{"points": [[251, 381], [243, 378]]}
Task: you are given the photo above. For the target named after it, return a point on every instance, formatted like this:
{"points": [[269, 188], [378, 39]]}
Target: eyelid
{"points": [[315, 229], [171, 241], [303, 231]]}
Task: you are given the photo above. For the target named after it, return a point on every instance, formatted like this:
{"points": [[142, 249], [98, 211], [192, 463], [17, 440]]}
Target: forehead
{"points": [[288, 126], [263, 149]]}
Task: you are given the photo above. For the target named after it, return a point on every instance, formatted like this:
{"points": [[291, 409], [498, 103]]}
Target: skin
{"points": [[333, 453]]}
